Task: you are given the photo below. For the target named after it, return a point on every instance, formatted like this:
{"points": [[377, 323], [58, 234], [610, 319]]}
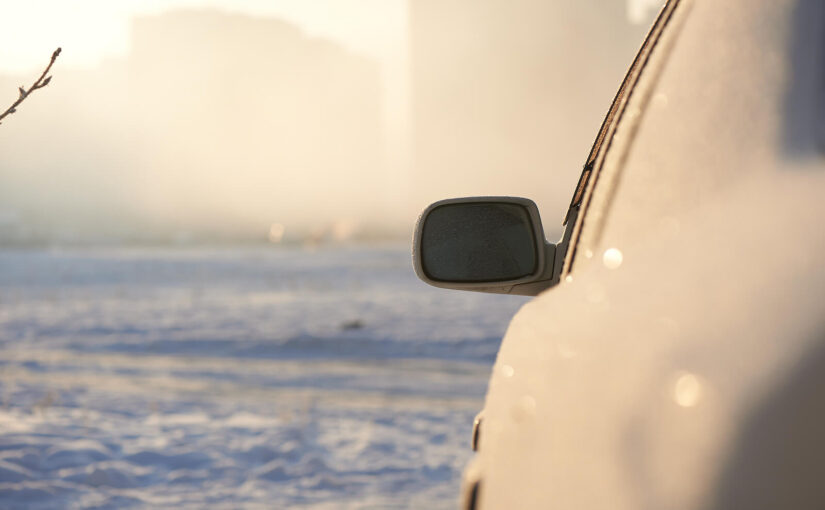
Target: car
{"points": [[674, 354]]}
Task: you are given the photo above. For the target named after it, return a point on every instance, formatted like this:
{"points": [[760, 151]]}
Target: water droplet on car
{"points": [[524, 408], [660, 100], [612, 258], [507, 371], [687, 390], [568, 278], [588, 254]]}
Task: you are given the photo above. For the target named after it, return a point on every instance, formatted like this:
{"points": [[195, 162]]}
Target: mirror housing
{"points": [[484, 244]]}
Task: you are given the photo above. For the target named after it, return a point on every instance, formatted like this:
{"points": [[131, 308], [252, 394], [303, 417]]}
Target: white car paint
{"points": [[680, 363]]}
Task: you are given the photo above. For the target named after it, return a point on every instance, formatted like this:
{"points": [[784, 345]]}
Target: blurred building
{"points": [[508, 96], [215, 125]]}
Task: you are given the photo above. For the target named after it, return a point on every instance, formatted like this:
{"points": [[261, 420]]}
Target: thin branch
{"points": [[38, 84]]}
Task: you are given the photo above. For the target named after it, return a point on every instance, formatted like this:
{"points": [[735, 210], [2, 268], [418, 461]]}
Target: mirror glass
{"points": [[478, 242]]}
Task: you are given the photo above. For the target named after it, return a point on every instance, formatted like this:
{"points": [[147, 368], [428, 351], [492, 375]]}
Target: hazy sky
{"points": [[89, 30]]}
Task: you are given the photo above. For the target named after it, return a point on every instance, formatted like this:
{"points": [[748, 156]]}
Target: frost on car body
{"points": [[678, 364]]}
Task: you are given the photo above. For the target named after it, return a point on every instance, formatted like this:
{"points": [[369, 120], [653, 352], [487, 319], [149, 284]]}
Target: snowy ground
{"points": [[226, 378]]}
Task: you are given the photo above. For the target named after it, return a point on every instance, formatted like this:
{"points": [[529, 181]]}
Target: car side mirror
{"points": [[484, 244]]}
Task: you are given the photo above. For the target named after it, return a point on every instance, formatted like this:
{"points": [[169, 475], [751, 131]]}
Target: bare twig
{"points": [[38, 84]]}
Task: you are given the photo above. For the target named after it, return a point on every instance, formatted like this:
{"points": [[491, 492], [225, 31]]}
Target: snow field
{"points": [[236, 378]]}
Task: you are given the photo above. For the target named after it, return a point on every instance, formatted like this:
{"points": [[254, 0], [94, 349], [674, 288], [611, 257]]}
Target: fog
{"points": [[220, 126]]}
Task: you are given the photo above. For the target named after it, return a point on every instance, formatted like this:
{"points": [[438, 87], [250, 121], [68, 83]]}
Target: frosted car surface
{"points": [[679, 362]]}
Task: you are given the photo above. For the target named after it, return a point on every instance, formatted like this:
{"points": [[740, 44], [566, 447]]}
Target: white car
{"points": [[674, 357]]}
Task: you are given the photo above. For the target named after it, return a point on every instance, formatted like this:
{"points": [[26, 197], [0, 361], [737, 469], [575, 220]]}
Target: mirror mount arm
{"points": [[546, 280]]}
